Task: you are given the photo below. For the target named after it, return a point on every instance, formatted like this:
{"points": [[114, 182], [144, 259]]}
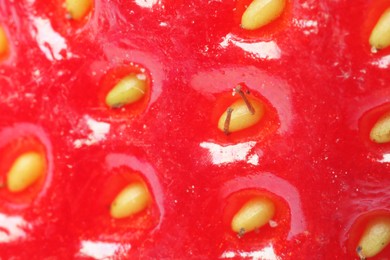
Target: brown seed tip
{"points": [[238, 89], [229, 112], [241, 233], [359, 253]]}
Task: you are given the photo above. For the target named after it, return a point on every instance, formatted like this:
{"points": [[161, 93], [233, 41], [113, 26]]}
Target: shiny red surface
{"points": [[313, 68]]}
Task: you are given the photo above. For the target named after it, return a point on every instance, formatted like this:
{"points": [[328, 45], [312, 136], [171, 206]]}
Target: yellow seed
{"points": [[380, 132], [261, 12], [25, 170], [375, 237], [128, 90], [380, 35], [254, 214], [241, 117], [132, 199], [78, 9], [3, 42]]}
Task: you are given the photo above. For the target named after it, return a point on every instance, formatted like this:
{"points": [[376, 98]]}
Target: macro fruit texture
{"points": [[321, 85]]}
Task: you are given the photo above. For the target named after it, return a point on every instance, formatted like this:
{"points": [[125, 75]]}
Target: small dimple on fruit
{"points": [[78, 9], [254, 214], [133, 199], [380, 35], [240, 117], [380, 132], [128, 90], [261, 12], [3, 42], [375, 238], [25, 171]]}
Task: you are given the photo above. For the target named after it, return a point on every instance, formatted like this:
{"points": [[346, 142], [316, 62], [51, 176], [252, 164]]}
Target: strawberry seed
{"points": [[380, 35], [133, 199], [261, 12], [128, 90], [253, 214], [25, 171], [78, 9]]}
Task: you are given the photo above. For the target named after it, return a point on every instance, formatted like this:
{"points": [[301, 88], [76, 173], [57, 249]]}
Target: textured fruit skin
{"points": [[314, 68]]}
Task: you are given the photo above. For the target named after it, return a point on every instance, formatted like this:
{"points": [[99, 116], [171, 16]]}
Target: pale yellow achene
{"points": [[380, 132], [3, 42], [261, 12], [253, 214], [128, 90], [380, 35], [25, 171], [133, 199], [241, 117], [375, 238], [78, 9]]}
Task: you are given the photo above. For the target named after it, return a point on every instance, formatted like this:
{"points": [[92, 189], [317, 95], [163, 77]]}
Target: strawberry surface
{"points": [[322, 88]]}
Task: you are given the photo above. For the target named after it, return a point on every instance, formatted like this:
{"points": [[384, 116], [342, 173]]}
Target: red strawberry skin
{"points": [[312, 68]]}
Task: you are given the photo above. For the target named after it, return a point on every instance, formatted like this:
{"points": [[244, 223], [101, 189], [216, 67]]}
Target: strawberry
{"points": [[158, 129]]}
